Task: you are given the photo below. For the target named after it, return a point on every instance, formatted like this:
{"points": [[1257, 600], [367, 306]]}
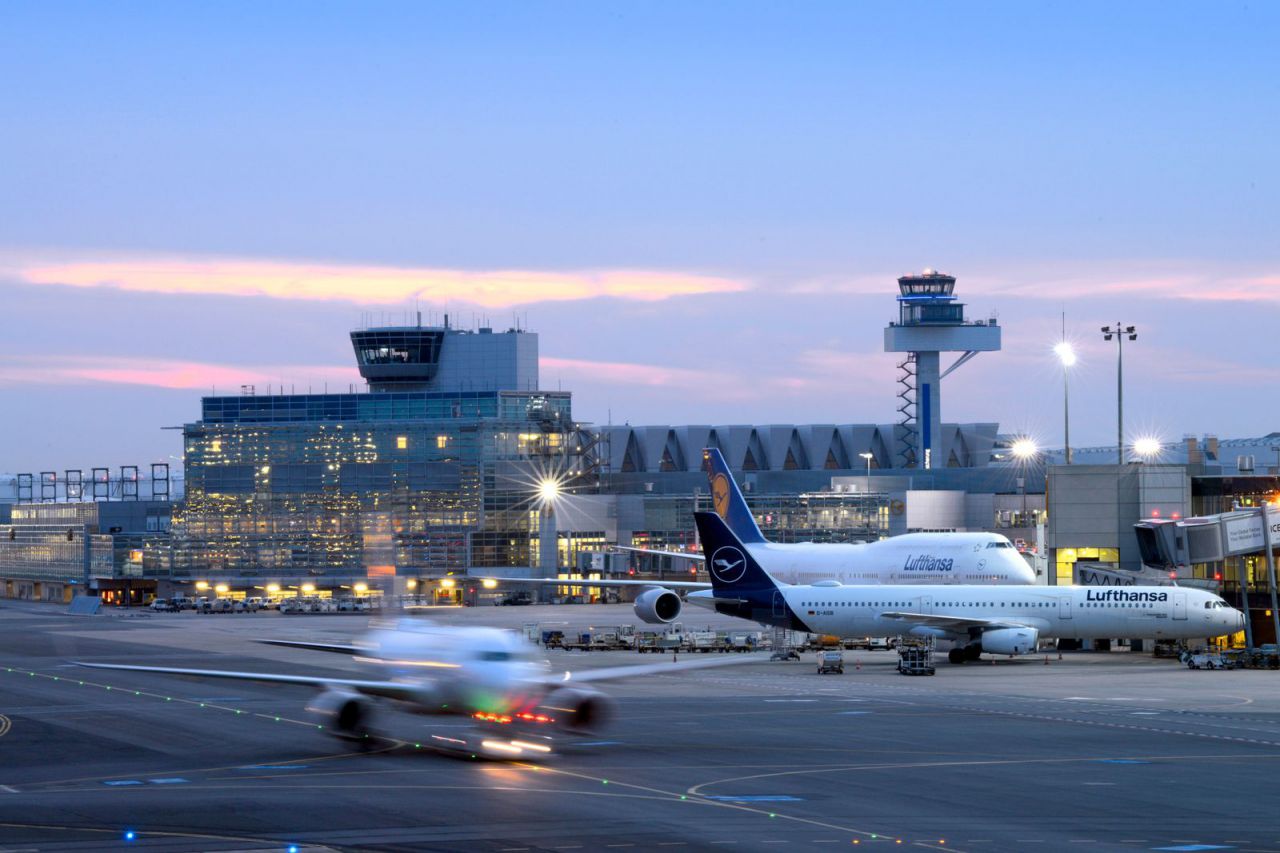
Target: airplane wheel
{"points": [[973, 652], [956, 656]]}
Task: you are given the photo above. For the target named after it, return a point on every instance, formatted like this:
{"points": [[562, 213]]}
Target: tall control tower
{"points": [[930, 322]]}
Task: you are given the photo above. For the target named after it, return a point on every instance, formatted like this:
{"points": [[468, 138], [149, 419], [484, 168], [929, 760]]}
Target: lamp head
{"points": [[1065, 354], [1023, 449], [549, 490]]}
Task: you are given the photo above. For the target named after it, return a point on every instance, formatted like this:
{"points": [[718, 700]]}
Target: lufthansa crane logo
{"points": [[728, 564], [720, 495]]}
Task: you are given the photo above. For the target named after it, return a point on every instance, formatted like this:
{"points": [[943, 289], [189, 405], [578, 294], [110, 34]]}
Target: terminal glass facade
{"points": [[355, 485]]}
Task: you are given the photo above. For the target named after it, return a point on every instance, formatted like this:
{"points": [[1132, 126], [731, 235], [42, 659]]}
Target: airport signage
{"points": [[1242, 534]]}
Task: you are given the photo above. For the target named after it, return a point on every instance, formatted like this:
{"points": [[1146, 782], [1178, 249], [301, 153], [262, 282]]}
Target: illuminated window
{"points": [[215, 446], [442, 441], [402, 442]]}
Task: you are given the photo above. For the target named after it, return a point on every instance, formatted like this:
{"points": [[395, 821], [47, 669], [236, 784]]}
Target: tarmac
{"points": [[1093, 752]]}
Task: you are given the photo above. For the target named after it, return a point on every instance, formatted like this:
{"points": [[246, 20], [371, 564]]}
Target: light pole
{"points": [[868, 457], [1024, 450], [1120, 332], [1067, 356]]}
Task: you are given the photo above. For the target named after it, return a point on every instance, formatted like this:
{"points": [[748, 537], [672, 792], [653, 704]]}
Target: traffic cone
{"points": [[1046, 660], [857, 663]]}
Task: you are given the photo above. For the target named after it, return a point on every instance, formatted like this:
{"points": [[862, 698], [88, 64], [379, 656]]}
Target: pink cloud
{"points": [[629, 374], [161, 373], [1072, 280], [364, 284]]}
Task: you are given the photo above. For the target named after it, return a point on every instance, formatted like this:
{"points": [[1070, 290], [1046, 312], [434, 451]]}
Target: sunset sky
{"points": [[701, 207]]}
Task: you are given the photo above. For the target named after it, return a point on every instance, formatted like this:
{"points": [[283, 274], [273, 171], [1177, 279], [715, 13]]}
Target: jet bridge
{"points": [[1173, 545]]}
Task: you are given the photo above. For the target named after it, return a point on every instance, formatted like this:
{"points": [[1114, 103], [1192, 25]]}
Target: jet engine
{"points": [[343, 713], [578, 710], [658, 606], [1010, 641]]}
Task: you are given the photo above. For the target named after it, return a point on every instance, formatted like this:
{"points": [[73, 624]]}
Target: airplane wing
{"points": [[613, 673], [385, 689], [684, 555], [336, 648], [580, 582], [957, 624]]}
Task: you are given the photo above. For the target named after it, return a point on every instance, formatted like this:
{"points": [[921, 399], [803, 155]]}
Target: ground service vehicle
{"points": [[830, 662]]}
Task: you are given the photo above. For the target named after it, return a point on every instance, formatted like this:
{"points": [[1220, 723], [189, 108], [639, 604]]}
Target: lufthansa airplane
{"points": [[516, 704], [1005, 620], [912, 558]]}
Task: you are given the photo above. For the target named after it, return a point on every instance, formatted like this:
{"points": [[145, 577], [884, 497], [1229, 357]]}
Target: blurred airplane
{"points": [[492, 676]]}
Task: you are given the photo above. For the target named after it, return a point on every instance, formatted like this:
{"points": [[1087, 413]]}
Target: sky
{"points": [[701, 208]]}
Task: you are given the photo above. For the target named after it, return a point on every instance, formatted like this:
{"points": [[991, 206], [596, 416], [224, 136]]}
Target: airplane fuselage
{"points": [[1063, 612], [913, 558]]}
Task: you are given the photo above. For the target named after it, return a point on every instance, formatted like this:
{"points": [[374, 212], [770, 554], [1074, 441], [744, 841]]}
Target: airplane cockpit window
{"points": [[999, 544]]}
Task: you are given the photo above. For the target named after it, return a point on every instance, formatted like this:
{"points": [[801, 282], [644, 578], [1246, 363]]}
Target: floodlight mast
{"points": [[1120, 332]]}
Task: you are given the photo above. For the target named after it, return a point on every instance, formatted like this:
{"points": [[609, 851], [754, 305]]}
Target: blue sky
{"points": [[701, 207]]}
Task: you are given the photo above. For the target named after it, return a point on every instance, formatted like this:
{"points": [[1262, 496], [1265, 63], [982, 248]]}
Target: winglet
{"points": [[728, 500]]}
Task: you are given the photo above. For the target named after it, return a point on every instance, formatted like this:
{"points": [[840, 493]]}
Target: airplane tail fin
{"points": [[734, 572], [728, 500], [740, 585]]}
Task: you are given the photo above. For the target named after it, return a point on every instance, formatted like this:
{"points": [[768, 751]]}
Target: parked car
{"points": [[882, 643], [518, 598], [164, 605], [182, 602], [1209, 661]]}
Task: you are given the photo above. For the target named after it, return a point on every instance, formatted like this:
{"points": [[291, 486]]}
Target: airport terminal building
{"points": [[453, 461]]}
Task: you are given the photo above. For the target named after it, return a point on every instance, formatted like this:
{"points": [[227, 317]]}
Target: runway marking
{"points": [[706, 801], [270, 843], [777, 798], [8, 789], [122, 782], [170, 780], [5, 725]]}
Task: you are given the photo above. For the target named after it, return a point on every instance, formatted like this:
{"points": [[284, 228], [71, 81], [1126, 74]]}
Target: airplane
{"points": [[1004, 620], [490, 675], [912, 558]]}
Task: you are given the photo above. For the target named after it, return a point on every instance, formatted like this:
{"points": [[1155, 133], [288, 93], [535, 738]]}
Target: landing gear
{"points": [[964, 654]]}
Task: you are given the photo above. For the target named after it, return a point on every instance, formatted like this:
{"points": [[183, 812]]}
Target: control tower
{"points": [[930, 322], [442, 358]]}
